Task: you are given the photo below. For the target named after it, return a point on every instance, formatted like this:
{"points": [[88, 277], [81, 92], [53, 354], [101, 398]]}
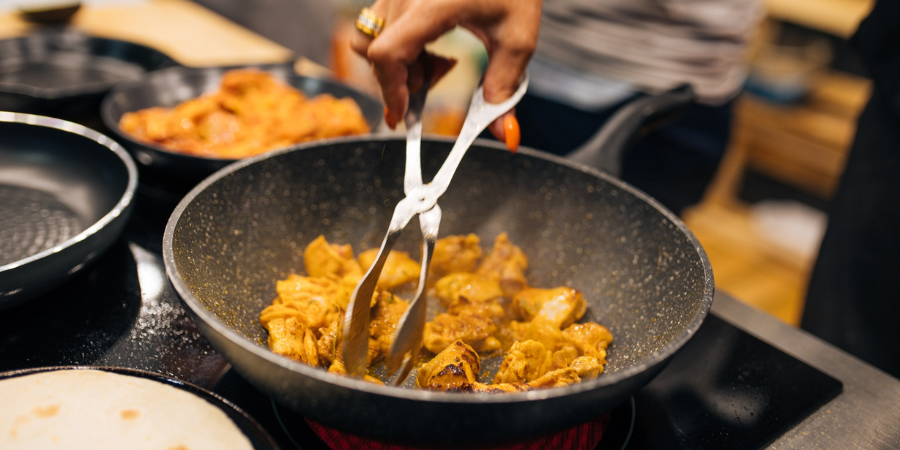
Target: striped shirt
{"points": [[647, 45]]}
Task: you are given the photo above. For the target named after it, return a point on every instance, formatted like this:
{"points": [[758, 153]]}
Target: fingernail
{"points": [[513, 135], [389, 119]]}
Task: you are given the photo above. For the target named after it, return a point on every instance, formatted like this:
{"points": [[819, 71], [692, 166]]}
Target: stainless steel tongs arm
{"points": [[420, 199]]}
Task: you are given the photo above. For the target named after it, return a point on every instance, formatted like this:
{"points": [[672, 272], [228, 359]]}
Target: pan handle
{"points": [[633, 120]]}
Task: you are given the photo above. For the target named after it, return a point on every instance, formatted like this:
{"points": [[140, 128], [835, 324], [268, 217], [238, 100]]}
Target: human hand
{"points": [[508, 29]]}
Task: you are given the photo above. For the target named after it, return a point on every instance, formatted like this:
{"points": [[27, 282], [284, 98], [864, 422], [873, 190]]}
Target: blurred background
{"points": [[761, 219]]}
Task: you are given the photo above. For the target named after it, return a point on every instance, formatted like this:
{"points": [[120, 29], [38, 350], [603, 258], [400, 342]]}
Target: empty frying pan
{"points": [[65, 195]]}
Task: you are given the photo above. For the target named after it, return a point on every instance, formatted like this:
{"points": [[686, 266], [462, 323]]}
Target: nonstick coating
{"points": [[65, 195], [643, 274]]}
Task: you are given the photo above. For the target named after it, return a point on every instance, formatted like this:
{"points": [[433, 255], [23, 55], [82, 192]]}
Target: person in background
{"points": [[853, 300], [593, 56]]}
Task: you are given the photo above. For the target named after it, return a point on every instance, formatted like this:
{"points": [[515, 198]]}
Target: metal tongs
{"points": [[421, 199]]}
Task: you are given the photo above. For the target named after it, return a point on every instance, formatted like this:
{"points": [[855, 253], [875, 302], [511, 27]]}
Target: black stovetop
{"points": [[725, 389]]}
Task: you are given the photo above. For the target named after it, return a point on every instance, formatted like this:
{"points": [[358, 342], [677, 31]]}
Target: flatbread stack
{"points": [[93, 409]]}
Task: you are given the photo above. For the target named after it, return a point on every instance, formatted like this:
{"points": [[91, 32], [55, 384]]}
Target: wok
{"points": [[65, 195], [642, 272], [178, 172]]}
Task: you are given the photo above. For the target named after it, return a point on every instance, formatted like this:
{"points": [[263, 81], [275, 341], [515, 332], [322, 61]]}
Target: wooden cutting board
{"points": [[187, 32]]}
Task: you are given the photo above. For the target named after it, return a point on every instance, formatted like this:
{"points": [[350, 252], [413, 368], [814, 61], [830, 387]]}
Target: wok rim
{"points": [[398, 393], [193, 72], [121, 205]]}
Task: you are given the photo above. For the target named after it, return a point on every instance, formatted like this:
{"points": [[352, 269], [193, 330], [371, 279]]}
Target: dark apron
{"points": [[853, 300]]}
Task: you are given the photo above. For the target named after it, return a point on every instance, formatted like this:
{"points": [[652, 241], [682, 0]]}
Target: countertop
{"points": [[865, 415], [187, 32]]}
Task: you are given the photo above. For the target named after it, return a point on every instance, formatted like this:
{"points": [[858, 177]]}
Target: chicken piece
{"points": [[475, 288], [399, 269], [323, 259], [474, 329], [587, 367], [561, 306], [385, 316], [329, 343], [583, 367], [526, 361], [506, 264], [490, 308], [564, 356], [556, 378], [289, 337], [543, 332], [500, 388], [337, 367], [591, 339], [455, 368], [454, 254], [316, 302]]}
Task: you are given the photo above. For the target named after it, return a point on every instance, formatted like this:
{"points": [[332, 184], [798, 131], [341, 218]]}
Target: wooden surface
{"points": [[189, 33], [837, 17]]}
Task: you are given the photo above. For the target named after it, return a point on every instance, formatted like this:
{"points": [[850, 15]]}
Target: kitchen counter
{"points": [[187, 32], [865, 415]]}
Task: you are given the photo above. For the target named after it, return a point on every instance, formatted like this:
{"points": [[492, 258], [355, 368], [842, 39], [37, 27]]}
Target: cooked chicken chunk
{"points": [[475, 288], [455, 254], [591, 339], [337, 367], [526, 361], [564, 356], [543, 332], [560, 306], [500, 388], [323, 259], [385, 316], [506, 265], [583, 367], [399, 269], [474, 329], [329, 343], [491, 308], [316, 302], [454, 368], [289, 337]]}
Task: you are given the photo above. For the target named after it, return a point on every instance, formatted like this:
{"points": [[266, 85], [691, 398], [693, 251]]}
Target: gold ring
{"points": [[369, 23]]}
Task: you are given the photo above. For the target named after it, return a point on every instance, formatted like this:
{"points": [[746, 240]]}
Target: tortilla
{"points": [[93, 409]]}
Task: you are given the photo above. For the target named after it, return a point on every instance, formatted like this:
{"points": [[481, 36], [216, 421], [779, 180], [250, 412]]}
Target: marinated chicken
{"points": [[506, 264], [251, 113], [560, 307], [544, 347], [385, 316], [399, 269], [454, 254], [474, 329], [474, 288], [455, 367], [526, 361]]}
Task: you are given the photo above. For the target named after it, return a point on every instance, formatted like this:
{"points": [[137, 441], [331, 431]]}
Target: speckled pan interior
{"points": [[643, 275]]}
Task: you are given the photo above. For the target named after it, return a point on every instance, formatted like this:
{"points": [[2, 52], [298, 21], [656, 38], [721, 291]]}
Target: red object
{"points": [[582, 437]]}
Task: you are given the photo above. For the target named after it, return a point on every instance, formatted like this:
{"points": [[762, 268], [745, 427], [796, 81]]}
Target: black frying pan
{"points": [[642, 272], [178, 172], [65, 74], [65, 195]]}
